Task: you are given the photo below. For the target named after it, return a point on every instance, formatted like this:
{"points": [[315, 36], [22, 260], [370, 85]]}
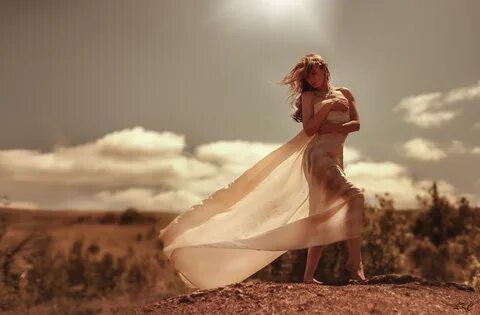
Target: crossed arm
{"points": [[347, 127]]}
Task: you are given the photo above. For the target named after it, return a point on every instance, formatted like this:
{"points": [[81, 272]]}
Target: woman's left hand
{"points": [[329, 127]]}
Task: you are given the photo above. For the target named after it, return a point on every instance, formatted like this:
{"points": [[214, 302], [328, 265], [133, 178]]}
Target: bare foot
{"points": [[312, 280], [355, 273]]}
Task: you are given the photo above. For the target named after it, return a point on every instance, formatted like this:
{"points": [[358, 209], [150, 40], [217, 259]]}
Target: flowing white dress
{"points": [[296, 197]]}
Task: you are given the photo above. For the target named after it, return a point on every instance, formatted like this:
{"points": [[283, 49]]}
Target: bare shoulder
{"points": [[307, 97], [351, 102], [346, 91]]}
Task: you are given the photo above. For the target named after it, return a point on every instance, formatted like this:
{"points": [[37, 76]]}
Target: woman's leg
{"points": [[354, 262], [313, 257]]}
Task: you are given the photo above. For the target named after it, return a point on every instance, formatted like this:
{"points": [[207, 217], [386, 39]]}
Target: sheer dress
{"points": [[295, 197]]}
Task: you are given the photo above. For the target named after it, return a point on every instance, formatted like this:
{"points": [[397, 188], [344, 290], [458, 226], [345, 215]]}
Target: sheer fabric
{"points": [[296, 197]]}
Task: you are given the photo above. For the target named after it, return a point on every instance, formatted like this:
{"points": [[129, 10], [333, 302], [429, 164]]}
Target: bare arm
{"points": [[352, 125], [312, 121], [347, 127]]}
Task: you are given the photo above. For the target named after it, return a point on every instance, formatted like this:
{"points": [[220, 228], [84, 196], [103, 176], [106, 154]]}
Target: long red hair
{"points": [[295, 79]]}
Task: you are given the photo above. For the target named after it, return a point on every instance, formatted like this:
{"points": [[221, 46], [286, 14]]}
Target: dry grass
{"points": [[93, 262], [80, 262]]}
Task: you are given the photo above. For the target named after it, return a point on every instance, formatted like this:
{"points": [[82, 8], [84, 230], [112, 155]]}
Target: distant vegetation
{"points": [[129, 216], [441, 241], [35, 272]]}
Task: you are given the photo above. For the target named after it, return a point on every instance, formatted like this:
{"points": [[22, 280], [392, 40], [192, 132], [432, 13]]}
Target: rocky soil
{"points": [[386, 294]]}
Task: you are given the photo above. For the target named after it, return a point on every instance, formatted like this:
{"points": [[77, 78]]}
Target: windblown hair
{"points": [[296, 80]]}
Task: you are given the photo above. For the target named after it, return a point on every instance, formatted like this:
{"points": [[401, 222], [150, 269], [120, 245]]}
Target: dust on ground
{"points": [[385, 294]]}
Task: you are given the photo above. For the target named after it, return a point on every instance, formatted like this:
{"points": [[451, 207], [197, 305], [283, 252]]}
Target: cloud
{"points": [[131, 167], [387, 176], [445, 189], [434, 109], [128, 157], [137, 143], [381, 177], [237, 152], [423, 150], [463, 94], [457, 147], [351, 155], [150, 170]]}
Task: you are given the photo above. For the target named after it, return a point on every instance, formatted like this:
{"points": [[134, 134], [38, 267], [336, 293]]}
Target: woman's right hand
{"points": [[339, 105]]}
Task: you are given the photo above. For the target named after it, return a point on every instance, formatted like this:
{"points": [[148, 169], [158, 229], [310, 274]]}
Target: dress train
{"points": [[266, 211]]}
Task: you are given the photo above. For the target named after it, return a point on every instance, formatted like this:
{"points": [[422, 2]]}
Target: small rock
{"points": [[195, 294], [185, 299]]}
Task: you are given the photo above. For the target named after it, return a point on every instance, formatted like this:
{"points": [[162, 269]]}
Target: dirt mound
{"points": [[386, 294]]}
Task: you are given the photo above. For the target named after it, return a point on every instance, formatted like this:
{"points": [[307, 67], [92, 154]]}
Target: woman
{"points": [[312, 83], [295, 197]]}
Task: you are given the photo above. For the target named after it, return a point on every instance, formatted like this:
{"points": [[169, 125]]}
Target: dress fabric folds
{"points": [[296, 197]]}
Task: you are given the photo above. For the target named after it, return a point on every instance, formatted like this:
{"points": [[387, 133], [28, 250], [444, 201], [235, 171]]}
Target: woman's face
{"points": [[316, 77]]}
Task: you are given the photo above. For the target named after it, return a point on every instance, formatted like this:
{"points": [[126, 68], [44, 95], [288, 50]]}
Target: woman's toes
{"points": [[312, 280]]}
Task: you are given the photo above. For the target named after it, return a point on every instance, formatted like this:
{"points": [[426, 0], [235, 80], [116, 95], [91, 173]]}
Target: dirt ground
{"points": [[386, 294]]}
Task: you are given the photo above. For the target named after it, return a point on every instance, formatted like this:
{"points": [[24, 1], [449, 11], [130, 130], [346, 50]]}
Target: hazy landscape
{"points": [[91, 262]]}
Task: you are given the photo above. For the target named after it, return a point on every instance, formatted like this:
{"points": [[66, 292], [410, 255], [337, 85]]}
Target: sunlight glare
{"points": [[292, 18]]}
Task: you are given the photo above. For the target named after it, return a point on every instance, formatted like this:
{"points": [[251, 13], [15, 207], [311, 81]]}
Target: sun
{"points": [[262, 11], [292, 19], [279, 9]]}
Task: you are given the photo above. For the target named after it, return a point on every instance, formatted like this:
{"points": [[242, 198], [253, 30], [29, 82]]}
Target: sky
{"points": [[156, 104]]}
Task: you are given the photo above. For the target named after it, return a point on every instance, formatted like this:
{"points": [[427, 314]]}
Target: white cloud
{"points": [[149, 170], [463, 94], [381, 177], [448, 191], [445, 189], [426, 150], [127, 157], [131, 167], [425, 110], [235, 152], [423, 150], [137, 143], [434, 109], [351, 155], [457, 147]]}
